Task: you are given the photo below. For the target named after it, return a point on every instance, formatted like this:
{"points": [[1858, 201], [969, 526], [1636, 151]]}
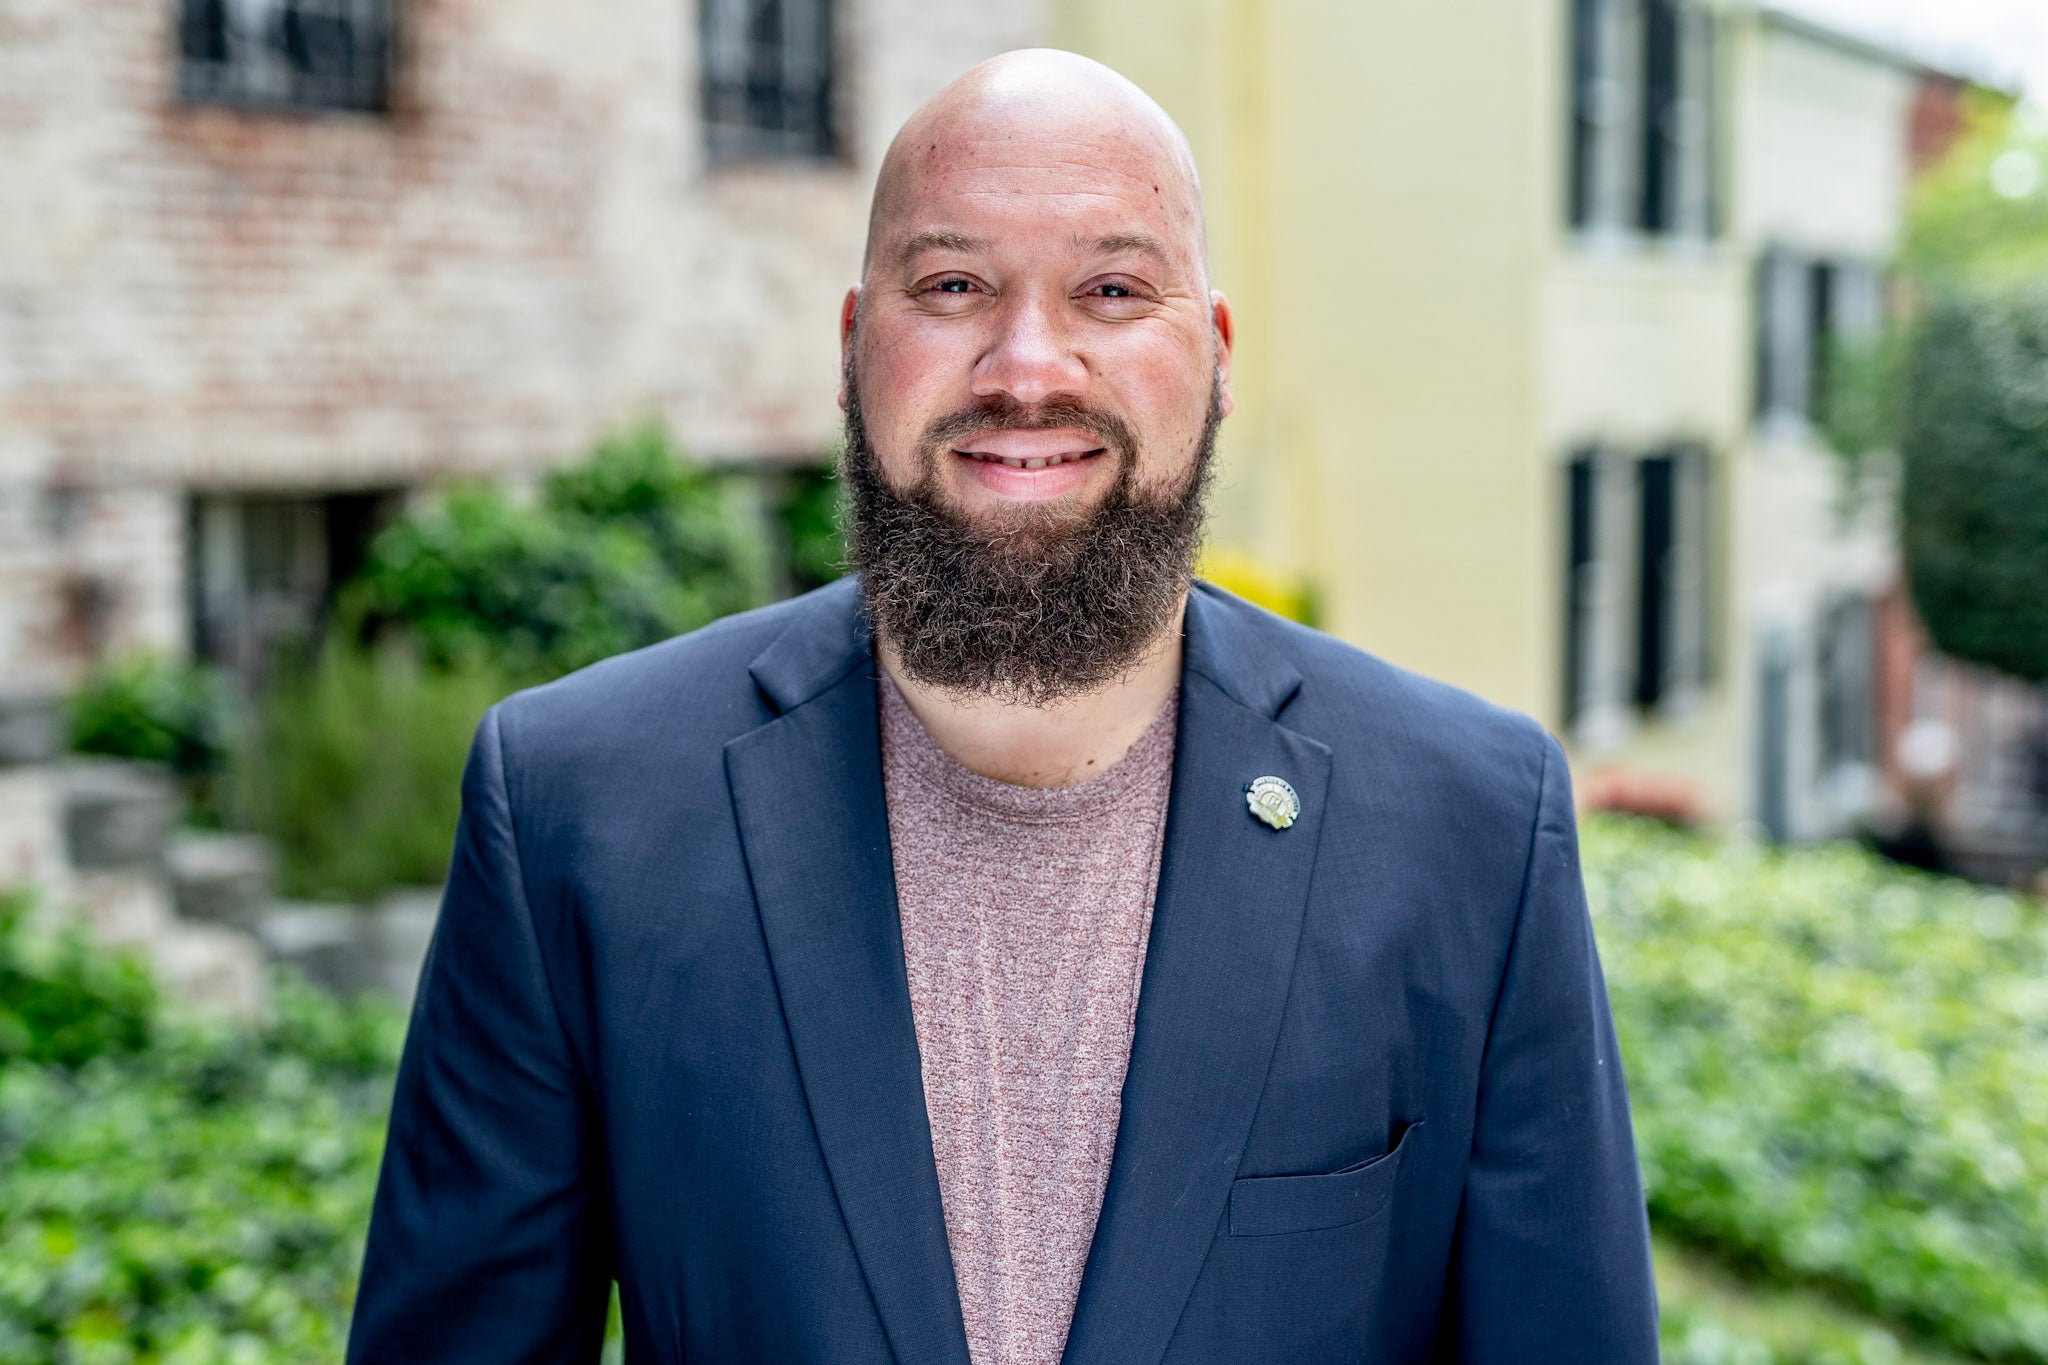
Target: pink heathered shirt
{"points": [[1025, 916]]}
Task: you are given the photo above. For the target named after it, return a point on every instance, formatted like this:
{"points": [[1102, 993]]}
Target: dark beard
{"points": [[1040, 608]]}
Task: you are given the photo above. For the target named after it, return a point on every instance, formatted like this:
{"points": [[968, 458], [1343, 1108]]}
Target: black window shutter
{"points": [[1820, 333], [1661, 24], [1581, 520], [1657, 481]]}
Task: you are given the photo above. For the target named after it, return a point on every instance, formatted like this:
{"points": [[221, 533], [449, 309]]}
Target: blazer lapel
{"points": [[1226, 923], [807, 791]]}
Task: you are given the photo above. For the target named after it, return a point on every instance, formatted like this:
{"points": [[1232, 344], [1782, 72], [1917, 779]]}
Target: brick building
{"points": [[266, 263]]}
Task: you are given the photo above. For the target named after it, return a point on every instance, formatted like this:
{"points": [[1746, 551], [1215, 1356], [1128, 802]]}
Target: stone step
{"points": [[31, 729], [212, 969], [116, 814], [330, 943], [221, 878], [120, 909]]}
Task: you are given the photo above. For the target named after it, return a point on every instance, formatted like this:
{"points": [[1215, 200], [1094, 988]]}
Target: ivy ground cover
{"points": [[1839, 1073]]}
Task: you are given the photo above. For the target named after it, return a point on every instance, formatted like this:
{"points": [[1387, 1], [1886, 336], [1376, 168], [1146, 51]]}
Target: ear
{"points": [[1226, 336], [846, 309]]}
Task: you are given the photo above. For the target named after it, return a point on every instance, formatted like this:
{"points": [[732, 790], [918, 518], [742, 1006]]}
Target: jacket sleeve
{"points": [[488, 1241], [1552, 1255]]}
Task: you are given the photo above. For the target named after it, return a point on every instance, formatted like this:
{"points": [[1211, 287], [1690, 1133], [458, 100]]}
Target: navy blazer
{"points": [[1374, 1110]]}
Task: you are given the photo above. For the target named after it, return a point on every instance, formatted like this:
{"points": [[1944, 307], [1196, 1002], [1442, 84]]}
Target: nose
{"points": [[1032, 356]]}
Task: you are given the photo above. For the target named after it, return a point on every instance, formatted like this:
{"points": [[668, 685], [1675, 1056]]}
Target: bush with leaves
{"points": [[1839, 1073], [626, 548], [354, 767], [1975, 490], [1960, 391], [156, 710], [174, 1190], [63, 1000]]}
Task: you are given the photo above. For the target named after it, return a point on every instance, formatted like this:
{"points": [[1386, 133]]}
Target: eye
{"points": [[954, 286], [1118, 290]]}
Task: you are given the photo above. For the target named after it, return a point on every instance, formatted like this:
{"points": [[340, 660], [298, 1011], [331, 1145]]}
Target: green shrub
{"points": [[354, 768], [63, 1000], [1839, 1073], [155, 710], [629, 547], [1974, 497], [203, 1201]]}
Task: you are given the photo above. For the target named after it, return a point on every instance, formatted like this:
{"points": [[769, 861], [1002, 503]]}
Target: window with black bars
{"points": [[1642, 117], [315, 54], [767, 77]]}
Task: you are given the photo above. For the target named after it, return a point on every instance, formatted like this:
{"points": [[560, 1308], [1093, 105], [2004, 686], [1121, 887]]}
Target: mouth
{"points": [[1031, 461], [1031, 449]]}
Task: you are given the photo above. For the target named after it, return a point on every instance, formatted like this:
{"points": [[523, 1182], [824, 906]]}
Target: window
{"points": [[325, 54], [1637, 599], [1642, 116], [262, 569], [1807, 305], [768, 78]]}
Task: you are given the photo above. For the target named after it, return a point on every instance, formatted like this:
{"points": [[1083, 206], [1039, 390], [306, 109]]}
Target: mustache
{"points": [[1004, 412]]}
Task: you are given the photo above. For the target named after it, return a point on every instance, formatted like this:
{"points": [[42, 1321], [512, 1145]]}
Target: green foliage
{"points": [[155, 710], [1981, 215], [1709, 1316], [64, 1001], [203, 1201], [813, 515], [1975, 486], [1839, 1073], [354, 768], [1962, 393], [1861, 405], [627, 548]]}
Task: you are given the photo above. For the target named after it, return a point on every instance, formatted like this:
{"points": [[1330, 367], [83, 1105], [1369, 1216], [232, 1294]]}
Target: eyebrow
{"points": [[937, 239], [1141, 242]]}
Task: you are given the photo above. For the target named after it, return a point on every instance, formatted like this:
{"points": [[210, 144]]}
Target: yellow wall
{"points": [[1419, 343], [1376, 205]]}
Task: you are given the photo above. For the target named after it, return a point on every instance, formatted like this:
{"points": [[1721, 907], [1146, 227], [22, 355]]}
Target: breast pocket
{"points": [[1267, 1205]]}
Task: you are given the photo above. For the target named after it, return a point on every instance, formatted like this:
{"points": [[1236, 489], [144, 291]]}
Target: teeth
{"points": [[1021, 462]]}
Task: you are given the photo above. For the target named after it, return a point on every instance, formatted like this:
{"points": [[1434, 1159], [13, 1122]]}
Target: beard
{"points": [[1038, 605]]}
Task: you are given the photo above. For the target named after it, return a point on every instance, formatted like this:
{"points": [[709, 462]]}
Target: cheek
{"points": [[1168, 404], [905, 385]]}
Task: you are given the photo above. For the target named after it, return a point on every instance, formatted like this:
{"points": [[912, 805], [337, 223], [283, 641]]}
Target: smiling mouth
{"points": [[1031, 462]]}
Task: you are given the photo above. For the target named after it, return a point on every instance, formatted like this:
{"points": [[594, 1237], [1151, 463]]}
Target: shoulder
{"points": [[1394, 723]]}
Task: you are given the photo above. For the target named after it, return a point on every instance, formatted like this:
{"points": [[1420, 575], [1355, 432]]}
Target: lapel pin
{"points": [[1272, 801]]}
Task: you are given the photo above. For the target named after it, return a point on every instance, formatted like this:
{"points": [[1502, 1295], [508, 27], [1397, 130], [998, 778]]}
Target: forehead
{"points": [[1049, 178]]}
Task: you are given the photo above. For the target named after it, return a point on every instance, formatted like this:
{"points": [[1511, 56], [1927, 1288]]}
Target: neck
{"points": [[1057, 745]]}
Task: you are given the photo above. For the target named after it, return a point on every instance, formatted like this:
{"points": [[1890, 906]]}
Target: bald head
{"points": [[1021, 104]]}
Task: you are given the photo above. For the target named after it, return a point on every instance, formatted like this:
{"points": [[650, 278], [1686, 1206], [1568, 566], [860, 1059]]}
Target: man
{"points": [[1014, 955]]}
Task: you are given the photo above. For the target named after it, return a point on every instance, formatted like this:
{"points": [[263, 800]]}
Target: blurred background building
{"points": [[1534, 301]]}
